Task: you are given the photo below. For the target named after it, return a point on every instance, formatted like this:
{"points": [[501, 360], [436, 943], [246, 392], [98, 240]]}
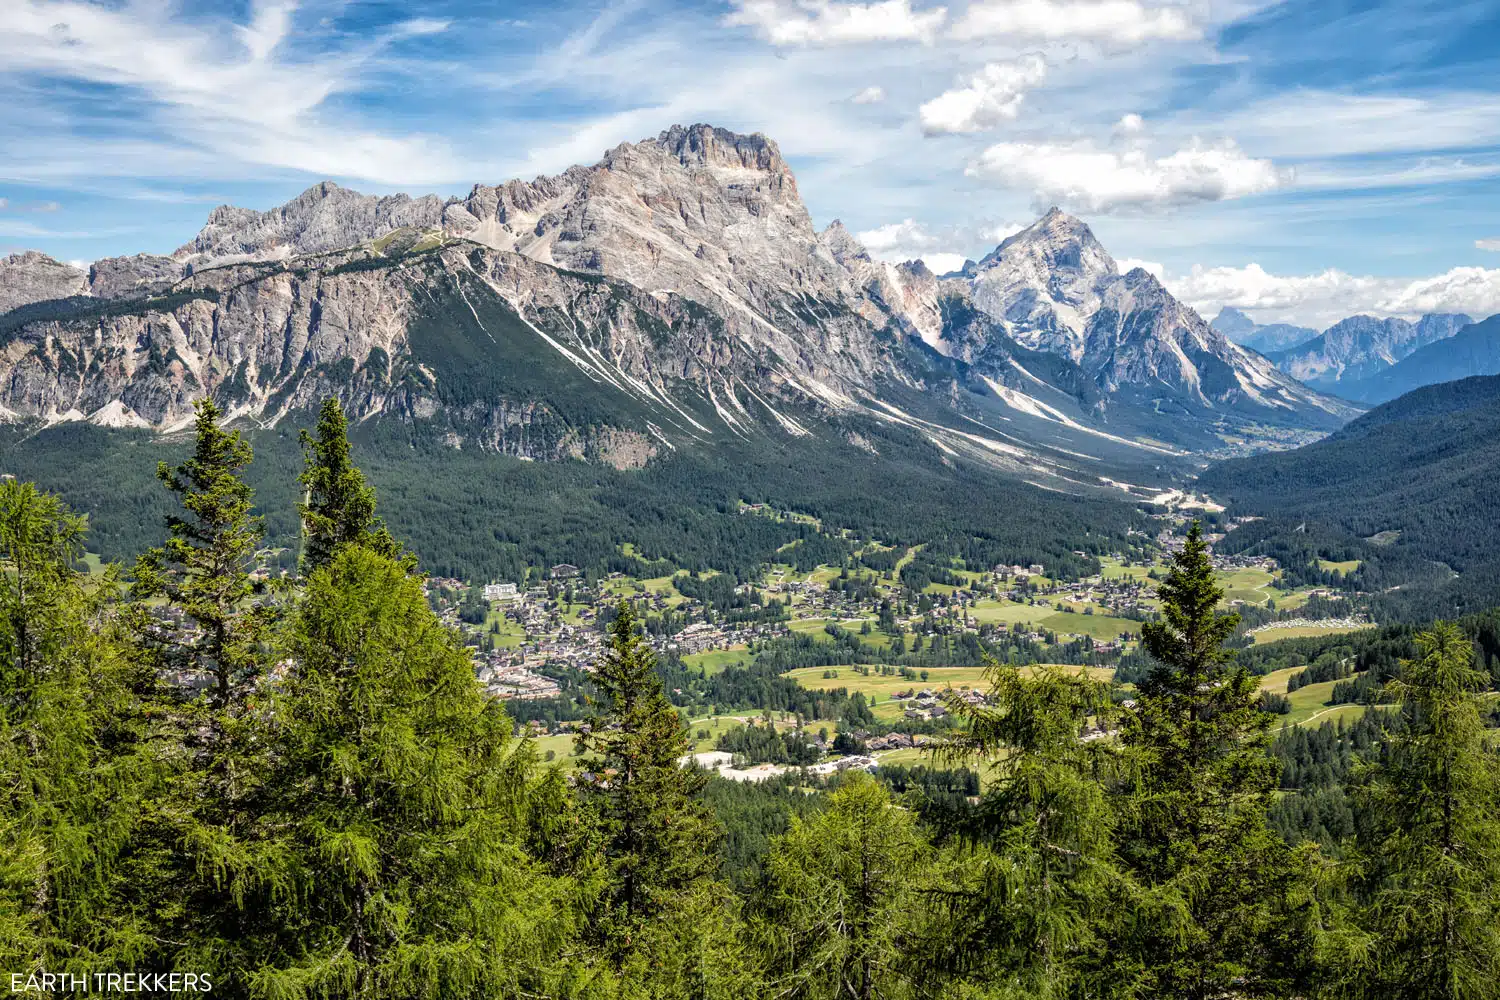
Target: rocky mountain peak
{"points": [[708, 146], [33, 276]]}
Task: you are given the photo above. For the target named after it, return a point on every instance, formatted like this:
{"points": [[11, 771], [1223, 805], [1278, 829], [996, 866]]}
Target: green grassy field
{"points": [[1253, 586], [995, 612], [715, 660], [1348, 566], [1096, 625]]}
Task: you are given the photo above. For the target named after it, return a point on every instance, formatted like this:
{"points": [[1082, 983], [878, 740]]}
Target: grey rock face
{"points": [[682, 264], [34, 277], [324, 217], [133, 277], [1361, 346]]}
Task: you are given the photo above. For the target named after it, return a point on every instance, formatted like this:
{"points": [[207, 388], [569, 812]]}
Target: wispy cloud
{"points": [[824, 22], [223, 89]]}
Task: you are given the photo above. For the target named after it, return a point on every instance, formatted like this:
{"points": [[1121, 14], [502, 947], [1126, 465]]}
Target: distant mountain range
{"points": [[1473, 350], [671, 295], [1266, 339], [1357, 358]]}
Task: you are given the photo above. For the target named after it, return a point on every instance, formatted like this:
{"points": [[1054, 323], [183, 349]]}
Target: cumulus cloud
{"points": [[1493, 245], [908, 240], [823, 22], [1084, 177], [904, 240], [1115, 22], [989, 97], [870, 95], [1130, 124], [1321, 299]]}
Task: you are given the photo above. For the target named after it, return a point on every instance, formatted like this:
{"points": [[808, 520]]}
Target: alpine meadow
{"points": [[1070, 573]]}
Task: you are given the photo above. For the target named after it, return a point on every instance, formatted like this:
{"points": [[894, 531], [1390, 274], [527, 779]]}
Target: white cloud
{"points": [[908, 240], [943, 263], [1493, 245], [1000, 233], [1321, 299], [904, 240], [987, 98], [870, 95], [1115, 22], [824, 22], [1130, 124], [1084, 177]]}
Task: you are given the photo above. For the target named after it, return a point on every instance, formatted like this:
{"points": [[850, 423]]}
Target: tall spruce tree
{"points": [[200, 623], [659, 916], [1226, 903], [394, 810], [203, 570], [1433, 914], [339, 508]]}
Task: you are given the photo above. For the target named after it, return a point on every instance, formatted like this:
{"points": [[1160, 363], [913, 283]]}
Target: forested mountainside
{"points": [[1405, 489]]}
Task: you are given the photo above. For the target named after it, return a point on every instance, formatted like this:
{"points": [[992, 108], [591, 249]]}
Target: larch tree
{"points": [[396, 808], [73, 776], [840, 908], [1433, 916], [1042, 886], [1225, 900]]}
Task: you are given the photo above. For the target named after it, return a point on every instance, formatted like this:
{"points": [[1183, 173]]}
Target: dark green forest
{"points": [[1406, 489], [296, 788]]}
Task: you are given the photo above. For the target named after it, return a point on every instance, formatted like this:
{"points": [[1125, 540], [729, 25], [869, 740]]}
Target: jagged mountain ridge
{"points": [[682, 279], [1361, 346], [1473, 350]]}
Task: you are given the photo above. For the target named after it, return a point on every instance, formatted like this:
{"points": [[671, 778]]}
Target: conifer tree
{"points": [[394, 813], [1226, 901], [340, 507], [656, 839], [1433, 914], [203, 570], [841, 907], [72, 778], [1042, 890]]}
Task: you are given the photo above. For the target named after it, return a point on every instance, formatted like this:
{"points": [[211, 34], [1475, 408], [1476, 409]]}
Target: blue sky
{"points": [[1302, 160]]}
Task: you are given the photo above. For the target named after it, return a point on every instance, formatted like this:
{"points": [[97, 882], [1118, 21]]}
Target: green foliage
{"points": [[396, 811], [1432, 915], [203, 570], [1043, 895], [655, 836], [1222, 888], [74, 776], [340, 507], [840, 903]]}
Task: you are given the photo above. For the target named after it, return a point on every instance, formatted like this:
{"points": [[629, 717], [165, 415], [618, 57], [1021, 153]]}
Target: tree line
{"points": [[298, 790]]}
